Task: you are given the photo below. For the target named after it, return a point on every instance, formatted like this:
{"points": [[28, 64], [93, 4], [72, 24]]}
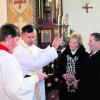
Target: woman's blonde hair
{"points": [[77, 36]]}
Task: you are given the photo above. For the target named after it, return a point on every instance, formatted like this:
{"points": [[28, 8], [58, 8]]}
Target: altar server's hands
{"points": [[41, 76]]}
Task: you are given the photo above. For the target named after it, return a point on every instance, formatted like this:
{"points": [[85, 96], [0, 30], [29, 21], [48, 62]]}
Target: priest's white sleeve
{"points": [[31, 62]]}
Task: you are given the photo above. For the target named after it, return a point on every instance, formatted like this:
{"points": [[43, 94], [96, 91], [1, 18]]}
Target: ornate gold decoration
{"points": [[20, 12]]}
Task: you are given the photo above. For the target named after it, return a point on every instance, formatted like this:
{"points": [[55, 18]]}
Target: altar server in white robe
{"points": [[13, 86], [32, 58]]}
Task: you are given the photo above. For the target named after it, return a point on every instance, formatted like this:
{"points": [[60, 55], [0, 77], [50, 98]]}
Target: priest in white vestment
{"points": [[32, 58]]}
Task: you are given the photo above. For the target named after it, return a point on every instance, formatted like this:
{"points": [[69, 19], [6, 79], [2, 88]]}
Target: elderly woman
{"points": [[70, 63]]}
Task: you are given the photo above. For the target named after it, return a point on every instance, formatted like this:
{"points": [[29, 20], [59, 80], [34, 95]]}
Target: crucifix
{"points": [[87, 7], [19, 2]]}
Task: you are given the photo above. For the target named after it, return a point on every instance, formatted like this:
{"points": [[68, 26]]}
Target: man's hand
{"points": [[56, 42]]}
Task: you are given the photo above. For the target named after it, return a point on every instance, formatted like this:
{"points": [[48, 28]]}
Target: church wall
{"points": [[81, 21], [78, 20]]}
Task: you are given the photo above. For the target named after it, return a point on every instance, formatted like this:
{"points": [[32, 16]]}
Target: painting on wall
{"points": [[45, 36]]}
